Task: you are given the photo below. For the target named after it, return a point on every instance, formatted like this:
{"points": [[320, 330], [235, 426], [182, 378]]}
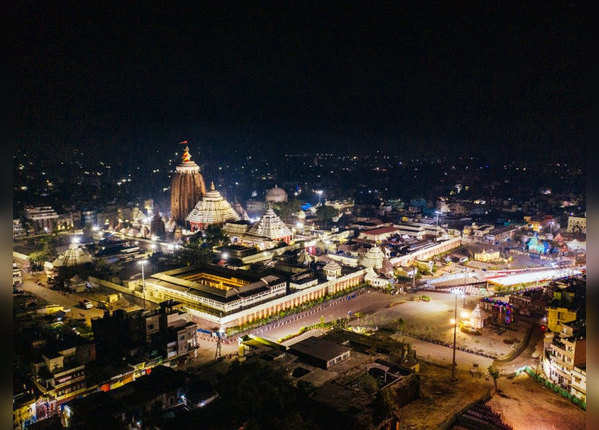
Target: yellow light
{"points": [[452, 321]]}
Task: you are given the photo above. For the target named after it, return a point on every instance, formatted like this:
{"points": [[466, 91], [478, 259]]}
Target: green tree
{"points": [[287, 209], [215, 236], [494, 373], [325, 213], [368, 383]]}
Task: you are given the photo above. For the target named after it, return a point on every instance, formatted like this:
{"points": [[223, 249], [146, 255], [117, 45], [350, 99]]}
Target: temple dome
{"points": [[271, 226], [276, 195], [373, 258], [211, 209]]}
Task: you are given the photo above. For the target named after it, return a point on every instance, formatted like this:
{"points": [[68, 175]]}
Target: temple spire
{"points": [[212, 186]]}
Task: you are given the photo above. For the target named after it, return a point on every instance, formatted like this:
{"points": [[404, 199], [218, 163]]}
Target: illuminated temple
{"points": [[266, 233], [271, 227], [187, 187], [212, 208]]}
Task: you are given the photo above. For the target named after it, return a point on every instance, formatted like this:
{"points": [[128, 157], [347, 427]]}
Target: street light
{"points": [[456, 292], [143, 280]]}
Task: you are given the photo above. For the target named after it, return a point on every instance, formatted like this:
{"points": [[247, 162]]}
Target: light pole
{"points": [[143, 281], [455, 326]]}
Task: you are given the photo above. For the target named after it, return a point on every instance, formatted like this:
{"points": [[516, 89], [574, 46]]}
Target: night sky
{"points": [[351, 78]]}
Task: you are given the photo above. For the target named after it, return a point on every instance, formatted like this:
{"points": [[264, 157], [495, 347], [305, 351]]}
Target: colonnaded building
{"points": [[229, 297]]}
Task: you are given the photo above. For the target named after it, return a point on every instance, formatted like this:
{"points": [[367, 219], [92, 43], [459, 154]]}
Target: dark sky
{"points": [[351, 78]]}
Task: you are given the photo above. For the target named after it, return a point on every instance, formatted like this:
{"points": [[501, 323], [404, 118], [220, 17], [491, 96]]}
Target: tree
{"points": [[325, 213], [368, 383], [287, 209], [494, 373], [215, 236]]}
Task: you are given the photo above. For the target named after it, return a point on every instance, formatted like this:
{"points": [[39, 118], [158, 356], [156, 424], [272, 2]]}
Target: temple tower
{"points": [[187, 187]]}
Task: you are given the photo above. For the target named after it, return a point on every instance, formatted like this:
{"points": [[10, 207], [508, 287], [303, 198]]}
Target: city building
{"points": [[132, 336], [564, 358], [18, 230], [487, 256], [61, 376], [43, 217], [130, 405], [379, 234], [566, 307], [320, 352], [90, 217], [187, 187], [577, 224], [419, 230], [276, 195], [211, 208]]}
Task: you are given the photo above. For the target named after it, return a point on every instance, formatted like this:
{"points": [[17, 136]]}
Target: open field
{"points": [[527, 405]]}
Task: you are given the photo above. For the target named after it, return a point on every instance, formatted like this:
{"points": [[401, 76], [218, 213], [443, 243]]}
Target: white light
{"points": [[452, 321], [75, 240], [171, 246], [225, 255], [299, 225], [95, 228], [153, 246], [464, 314], [142, 262]]}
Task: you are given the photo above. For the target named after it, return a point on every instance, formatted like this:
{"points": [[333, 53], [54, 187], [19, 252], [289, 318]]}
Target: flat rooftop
{"points": [[215, 282], [319, 348]]}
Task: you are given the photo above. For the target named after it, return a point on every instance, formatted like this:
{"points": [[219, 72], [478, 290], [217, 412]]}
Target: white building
{"points": [[44, 217]]}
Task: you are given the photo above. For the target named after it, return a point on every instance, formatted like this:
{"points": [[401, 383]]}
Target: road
{"points": [[69, 301], [443, 355], [527, 357]]}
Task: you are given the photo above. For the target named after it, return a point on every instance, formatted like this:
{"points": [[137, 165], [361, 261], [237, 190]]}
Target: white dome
{"points": [[373, 258], [276, 194]]}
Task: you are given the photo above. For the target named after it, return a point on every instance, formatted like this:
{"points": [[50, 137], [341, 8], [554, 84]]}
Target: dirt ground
{"points": [[526, 405], [441, 399]]}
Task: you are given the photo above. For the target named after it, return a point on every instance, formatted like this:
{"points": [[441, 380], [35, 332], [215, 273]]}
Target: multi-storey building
{"points": [[564, 358], [43, 217], [167, 330]]}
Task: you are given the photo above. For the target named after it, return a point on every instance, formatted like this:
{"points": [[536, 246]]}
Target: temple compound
{"points": [[233, 297], [187, 187]]}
